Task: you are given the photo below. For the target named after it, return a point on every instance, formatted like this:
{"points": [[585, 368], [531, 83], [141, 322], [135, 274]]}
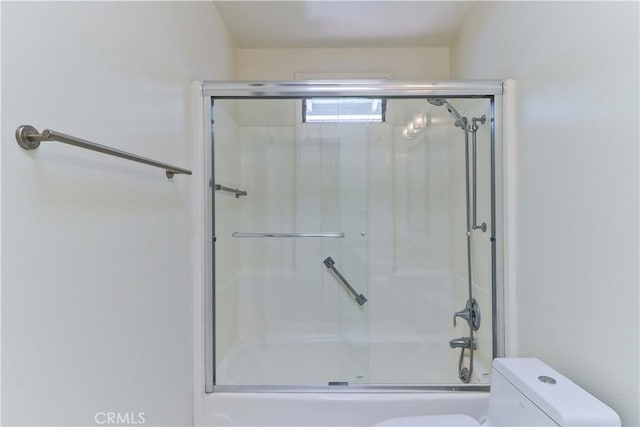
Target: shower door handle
{"points": [[330, 263]]}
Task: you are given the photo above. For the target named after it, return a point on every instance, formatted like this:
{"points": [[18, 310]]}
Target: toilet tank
{"points": [[526, 392]]}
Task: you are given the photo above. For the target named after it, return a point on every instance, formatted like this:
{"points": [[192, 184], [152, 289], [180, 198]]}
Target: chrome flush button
{"points": [[547, 380]]}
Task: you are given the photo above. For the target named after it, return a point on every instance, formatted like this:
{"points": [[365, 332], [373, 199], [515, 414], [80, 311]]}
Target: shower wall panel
{"points": [[411, 282], [480, 241], [267, 279]]}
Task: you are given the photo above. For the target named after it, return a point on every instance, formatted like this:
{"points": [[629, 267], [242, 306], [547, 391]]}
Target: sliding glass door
{"points": [[291, 254], [341, 247]]}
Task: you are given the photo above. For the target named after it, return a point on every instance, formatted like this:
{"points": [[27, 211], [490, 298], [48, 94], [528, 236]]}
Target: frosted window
{"points": [[343, 110]]}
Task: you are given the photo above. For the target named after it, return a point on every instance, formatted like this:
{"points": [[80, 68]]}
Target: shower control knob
{"points": [[470, 313], [465, 314]]}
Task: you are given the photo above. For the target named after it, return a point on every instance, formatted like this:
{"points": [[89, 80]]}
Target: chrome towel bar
{"points": [[235, 191], [334, 235], [29, 138]]}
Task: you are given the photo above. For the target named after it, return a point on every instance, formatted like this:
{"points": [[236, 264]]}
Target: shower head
{"points": [[438, 102]]}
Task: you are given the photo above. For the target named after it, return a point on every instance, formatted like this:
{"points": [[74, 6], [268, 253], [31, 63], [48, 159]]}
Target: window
{"points": [[343, 110]]}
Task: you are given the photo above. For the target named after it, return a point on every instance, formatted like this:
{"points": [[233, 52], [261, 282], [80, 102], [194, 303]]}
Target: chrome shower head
{"points": [[438, 102]]}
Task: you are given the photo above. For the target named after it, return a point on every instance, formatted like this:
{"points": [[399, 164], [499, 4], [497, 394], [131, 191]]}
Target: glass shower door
{"points": [[332, 182], [343, 255], [286, 251]]}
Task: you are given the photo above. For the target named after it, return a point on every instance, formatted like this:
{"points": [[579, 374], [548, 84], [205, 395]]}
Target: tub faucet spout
{"points": [[463, 342]]}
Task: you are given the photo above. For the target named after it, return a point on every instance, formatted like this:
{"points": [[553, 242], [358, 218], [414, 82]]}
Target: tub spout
{"points": [[464, 342]]}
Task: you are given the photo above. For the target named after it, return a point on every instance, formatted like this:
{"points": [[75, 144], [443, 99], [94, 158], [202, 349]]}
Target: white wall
{"points": [[96, 267], [403, 63], [576, 71]]}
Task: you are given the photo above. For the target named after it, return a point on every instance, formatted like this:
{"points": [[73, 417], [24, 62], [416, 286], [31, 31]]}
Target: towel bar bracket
{"points": [[28, 137]]}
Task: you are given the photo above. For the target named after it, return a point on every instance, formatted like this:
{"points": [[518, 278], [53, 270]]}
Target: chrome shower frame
{"points": [[492, 90]]}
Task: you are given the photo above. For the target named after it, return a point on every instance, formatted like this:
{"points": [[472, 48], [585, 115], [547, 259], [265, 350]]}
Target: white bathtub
{"points": [[335, 409], [282, 361]]}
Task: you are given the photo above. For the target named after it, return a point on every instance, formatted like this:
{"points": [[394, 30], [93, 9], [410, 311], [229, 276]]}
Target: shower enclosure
{"points": [[355, 235]]}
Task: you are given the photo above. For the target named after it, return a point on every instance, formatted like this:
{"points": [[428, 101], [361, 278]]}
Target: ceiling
{"points": [[315, 24]]}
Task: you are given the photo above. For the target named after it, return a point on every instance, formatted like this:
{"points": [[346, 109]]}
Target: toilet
{"points": [[526, 392]]}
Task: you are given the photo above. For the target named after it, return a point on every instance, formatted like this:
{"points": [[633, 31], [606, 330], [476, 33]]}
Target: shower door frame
{"points": [[300, 89]]}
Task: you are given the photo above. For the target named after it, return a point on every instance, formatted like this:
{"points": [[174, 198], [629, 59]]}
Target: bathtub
{"points": [[265, 362], [335, 409]]}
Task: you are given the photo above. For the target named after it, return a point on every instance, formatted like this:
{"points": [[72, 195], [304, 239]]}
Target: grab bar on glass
{"points": [[330, 263], [235, 191], [334, 235], [29, 139]]}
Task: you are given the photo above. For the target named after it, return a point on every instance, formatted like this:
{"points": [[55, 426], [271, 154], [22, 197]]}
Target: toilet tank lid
{"points": [[564, 401]]}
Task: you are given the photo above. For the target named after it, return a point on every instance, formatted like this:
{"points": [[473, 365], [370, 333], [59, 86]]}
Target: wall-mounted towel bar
{"points": [[29, 138], [334, 235], [235, 191]]}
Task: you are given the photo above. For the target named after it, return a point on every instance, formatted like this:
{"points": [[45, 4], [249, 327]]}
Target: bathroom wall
{"points": [[575, 67], [97, 251], [402, 63]]}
